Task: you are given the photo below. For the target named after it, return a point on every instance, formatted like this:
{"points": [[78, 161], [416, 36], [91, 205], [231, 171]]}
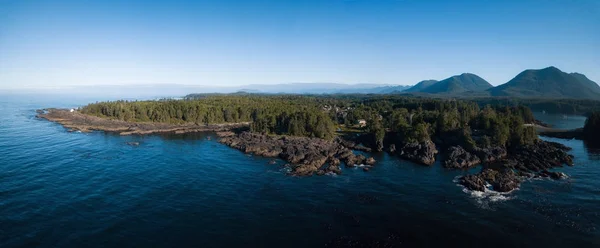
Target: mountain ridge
{"points": [[549, 82]]}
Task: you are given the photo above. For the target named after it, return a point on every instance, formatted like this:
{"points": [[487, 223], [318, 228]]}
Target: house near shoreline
{"points": [[362, 123]]}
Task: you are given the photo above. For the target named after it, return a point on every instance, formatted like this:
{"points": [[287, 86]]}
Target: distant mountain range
{"points": [[543, 83], [549, 82], [323, 88]]}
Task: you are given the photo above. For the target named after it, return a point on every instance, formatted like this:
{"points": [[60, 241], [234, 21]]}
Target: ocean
{"points": [[70, 189]]}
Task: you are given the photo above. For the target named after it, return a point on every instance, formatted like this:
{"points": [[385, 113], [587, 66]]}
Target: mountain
{"points": [[421, 86], [387, 89], [462, 83], [549, 82]]}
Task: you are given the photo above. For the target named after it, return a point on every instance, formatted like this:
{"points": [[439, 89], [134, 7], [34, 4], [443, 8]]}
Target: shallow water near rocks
{"points": [[62, 189]]}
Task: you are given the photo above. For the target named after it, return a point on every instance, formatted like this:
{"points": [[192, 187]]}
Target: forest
{"points": [[548, 105], [405, 119]]}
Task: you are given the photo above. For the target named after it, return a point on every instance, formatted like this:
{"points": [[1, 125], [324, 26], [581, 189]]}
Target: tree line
{"points": [[409, 119]]}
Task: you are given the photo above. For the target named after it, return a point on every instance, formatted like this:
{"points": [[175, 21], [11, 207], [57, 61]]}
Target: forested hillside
{"points": [[549, 82]]}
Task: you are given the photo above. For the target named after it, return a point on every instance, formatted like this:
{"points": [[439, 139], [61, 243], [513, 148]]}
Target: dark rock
{"points": [[133, 143], [459, 158], [352, 145], [542, 155], [492, 154], [504, 181], [334, 161], [473, 182], [370, 161], [379, 145], [350, 160], [525, 174], [308, 155], [334, 169], [552, 174], [360, 159], [392, 148], [225, 134], [423, 153]]}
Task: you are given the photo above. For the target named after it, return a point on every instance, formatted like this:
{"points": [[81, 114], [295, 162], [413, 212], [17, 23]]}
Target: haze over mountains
{"points": [[549, 82]]}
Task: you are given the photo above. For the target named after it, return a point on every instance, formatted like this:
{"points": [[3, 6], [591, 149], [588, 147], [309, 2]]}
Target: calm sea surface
{"points": [[61, 189]]}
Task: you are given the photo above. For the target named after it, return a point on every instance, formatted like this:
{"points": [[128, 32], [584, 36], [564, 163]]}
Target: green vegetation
{"points": [[407, 119], [291, 115], [549, 105]]}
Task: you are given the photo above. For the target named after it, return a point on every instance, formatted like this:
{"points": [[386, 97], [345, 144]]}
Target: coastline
{"points": [[503, 169], [76, 121]]}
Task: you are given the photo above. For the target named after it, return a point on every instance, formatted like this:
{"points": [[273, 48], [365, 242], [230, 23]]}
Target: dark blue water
{"points": [[61, 189]]}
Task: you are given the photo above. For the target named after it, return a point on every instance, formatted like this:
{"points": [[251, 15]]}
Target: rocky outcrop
{"points": [[552, 174], [540, 156], [501, 181], [473, 182], [370, 161], [352, 145], [492, 154], [307, 156], [379, 145], [422, 153], [527, 161], [459, 158], [392, 148]]}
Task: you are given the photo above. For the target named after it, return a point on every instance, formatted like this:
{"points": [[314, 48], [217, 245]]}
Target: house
{"points": [[72, 110], [362, 123]]}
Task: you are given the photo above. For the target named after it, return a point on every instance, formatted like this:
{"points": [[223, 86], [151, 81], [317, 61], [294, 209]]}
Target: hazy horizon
{"points": [[47, 45]]}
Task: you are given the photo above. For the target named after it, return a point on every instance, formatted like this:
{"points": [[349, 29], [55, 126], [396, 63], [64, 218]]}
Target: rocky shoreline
{"points": [[506, 174], [502, 170], [76, 121], [306, 156]]}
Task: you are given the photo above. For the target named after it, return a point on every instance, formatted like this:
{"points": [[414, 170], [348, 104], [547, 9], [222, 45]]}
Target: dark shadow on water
{"points": [[189, 136], [593, 149]]}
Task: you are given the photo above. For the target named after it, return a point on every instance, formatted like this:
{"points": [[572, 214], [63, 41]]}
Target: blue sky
{"points": [[224, 43]]}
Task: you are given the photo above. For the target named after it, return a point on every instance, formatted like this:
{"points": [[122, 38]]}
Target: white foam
{"points": [[332, 174], [484, 198], [361, 166]]}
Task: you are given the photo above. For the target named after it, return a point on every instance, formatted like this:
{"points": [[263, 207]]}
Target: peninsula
{"points": [[316, 135]]}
